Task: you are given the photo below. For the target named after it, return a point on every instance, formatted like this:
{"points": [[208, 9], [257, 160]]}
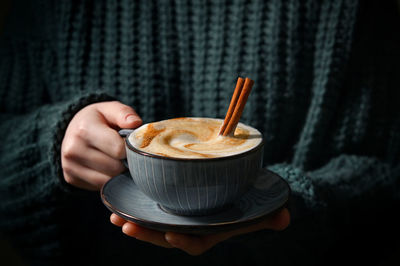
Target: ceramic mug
{"points": [[193, 186]]}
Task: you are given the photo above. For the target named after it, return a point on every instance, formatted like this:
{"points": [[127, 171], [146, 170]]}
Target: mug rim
{"points": [[229, 157]]}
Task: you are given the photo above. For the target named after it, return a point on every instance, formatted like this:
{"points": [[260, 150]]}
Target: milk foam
{"points": [[193, 138]]}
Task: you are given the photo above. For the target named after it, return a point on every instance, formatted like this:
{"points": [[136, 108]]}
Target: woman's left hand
{"points": [[196, 245]]}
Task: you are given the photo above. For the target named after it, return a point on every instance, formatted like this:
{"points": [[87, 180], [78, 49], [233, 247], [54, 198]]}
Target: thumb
{"points": [[119, 114]]}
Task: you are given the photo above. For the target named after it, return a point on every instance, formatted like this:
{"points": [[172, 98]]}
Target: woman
{"points": [[325, 98]]}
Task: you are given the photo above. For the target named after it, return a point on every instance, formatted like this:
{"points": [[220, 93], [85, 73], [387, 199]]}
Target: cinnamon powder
{"points": [[149, 135]]}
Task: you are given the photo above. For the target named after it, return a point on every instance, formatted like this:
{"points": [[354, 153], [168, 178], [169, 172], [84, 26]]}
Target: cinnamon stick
{"points": [[232, 105], [239, 107]]}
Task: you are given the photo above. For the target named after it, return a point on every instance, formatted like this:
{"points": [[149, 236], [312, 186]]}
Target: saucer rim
{"points": [[208, 226]]}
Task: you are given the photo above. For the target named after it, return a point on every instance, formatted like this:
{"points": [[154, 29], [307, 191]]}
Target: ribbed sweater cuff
{"points": [[343, 179], [66, 116]]}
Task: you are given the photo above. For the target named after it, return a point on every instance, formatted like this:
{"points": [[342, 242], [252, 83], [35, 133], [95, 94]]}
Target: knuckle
{"points": [[68, 150], [117, 168], [124, 110], [70, 180], [82, 131], [67, 169], [119, 150], [99, 183]]}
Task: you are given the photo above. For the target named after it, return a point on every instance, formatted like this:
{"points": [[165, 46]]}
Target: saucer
{"points": [[269, 194]]}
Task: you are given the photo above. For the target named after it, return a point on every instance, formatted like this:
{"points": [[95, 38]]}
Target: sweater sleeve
{"points": [[344, 209], [343, 179], [30, 164]]}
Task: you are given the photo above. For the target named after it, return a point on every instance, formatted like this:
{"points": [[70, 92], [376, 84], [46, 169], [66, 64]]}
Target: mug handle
{"points": [[125, 132]]}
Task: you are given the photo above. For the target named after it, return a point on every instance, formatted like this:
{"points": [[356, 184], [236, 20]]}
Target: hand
{"points": [[196, 245], [92, 149]]}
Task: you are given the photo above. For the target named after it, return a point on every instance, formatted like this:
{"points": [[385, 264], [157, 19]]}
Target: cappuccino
{"points": [[193, 138]]}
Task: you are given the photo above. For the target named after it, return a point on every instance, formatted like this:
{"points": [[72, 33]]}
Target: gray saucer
{"points": [[121, 196]]}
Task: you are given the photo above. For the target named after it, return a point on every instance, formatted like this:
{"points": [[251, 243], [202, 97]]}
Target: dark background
{"points": [[10, 256]]}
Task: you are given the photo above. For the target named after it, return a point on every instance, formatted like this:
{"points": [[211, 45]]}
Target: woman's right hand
{"points": [[92, 149]]}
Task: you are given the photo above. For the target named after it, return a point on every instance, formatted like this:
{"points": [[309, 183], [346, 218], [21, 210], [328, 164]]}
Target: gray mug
{"points": [[187, 186]]}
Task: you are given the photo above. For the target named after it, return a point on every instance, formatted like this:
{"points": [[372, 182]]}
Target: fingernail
{"points": [[172, 240], [112, 219], [124, 228], [127, 229], [131, 118]]}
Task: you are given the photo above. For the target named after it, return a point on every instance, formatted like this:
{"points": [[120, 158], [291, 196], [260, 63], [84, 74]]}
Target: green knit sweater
{"points": [[326, 98]]}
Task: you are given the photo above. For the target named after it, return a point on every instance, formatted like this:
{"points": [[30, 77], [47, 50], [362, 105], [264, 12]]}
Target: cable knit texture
{"points": [[325, 97]]}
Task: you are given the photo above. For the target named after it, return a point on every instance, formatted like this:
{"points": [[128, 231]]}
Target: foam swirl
{"points": [[193, 138]]}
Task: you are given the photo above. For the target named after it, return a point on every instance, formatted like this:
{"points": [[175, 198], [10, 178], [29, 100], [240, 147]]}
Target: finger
{"points": [[196, 245], [77, 182], [106, 140], [99, 161], [76, 173], [68, 153], [120, 115], [193, 245], [277, 222], [97, 135], [144, 234], [116, 220]]}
